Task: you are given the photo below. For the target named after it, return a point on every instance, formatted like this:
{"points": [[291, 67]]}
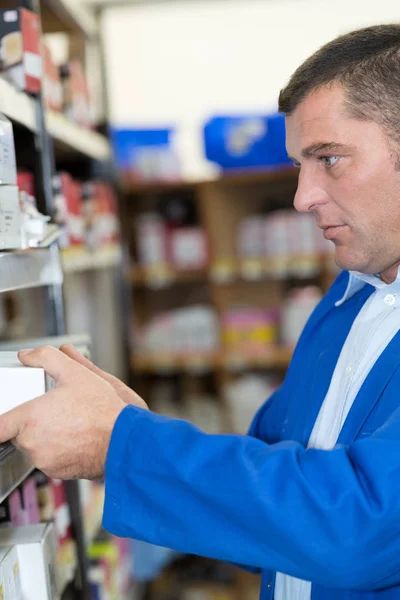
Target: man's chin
{"points": [[345, 262]]}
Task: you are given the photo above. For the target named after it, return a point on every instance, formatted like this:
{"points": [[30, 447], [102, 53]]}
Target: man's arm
{"points": [[332, 517]]}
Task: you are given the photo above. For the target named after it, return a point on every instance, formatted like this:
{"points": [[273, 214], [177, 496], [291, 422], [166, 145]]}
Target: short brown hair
{"points": [[366, 63]]}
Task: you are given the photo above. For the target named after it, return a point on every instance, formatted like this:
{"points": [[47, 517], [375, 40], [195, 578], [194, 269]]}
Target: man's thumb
{"points": [[10, 425]]}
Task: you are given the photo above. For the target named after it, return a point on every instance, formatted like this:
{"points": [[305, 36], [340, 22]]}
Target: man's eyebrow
{"points": [[318, 147]]}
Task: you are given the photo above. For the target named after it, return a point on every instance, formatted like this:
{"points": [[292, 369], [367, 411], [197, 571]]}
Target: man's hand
{"points": [[127, 395], [66, 432]]}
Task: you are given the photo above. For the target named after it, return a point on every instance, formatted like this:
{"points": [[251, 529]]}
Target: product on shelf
{"points": [[152, 241], [76, 101], [109, 574], [20, 56], [19, 383], [8, 167], [192, 330], [10, 218], [281, 244], [249, 330], [52, 88], [69, 210], [34, 225], [37, 550], [297, 308], [10, 575], [188, 248], [100, 213], [244, 397], [30, 502], [205, 412]]}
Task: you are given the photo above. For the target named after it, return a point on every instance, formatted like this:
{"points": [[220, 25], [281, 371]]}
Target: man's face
{"points": [[348, 180]]}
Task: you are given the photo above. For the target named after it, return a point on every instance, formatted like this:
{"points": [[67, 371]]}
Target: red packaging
{"points": [[69, 209], [26, 182], [20, 55]]}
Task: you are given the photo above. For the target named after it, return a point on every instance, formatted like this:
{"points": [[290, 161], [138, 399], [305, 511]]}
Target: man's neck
{"points": [[390, 275]]}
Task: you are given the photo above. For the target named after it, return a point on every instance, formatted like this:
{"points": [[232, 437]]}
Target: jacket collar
{"points": [[358, 280]]}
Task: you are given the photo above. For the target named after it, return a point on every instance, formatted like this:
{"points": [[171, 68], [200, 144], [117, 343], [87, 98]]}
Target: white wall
{"points": [[178, 62]]}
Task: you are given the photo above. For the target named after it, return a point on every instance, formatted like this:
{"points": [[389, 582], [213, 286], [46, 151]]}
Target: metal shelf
{"points": [[15, 467], [71, 138], [30, 268], [78, 259]]}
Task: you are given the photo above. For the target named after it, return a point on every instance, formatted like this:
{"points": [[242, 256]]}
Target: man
{"points": [[313, 492]]}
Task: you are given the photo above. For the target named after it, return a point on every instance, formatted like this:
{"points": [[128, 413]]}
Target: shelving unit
{"points": [[61, 282], [228, 282]]}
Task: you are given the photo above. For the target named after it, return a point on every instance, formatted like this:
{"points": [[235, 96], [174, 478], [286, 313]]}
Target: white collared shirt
{"points": [[373, 329]]}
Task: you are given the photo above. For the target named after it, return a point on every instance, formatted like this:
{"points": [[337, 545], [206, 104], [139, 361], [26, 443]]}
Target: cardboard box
{"points": [[20, 56], [10, 218], [10, 578], [20, 384], [37, 551]]}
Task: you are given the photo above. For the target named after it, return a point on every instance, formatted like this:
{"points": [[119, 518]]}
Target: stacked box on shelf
{"points": [[20, 49]]}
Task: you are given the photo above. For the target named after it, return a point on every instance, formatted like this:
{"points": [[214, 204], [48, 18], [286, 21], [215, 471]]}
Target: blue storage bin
{"points": [[252, 141], [145, 153]]}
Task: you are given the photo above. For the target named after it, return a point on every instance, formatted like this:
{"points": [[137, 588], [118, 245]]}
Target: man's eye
{"points": [[329, 161], [296, 164]]}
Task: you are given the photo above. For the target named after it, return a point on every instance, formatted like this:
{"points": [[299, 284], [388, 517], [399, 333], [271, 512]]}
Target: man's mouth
{"points": [[331, 231]]}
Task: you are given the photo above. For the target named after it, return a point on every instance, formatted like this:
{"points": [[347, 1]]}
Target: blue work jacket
{"points": [[264, 500]]}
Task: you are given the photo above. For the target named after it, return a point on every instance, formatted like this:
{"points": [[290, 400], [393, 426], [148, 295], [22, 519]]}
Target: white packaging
{"points": [[297, 309], [188, 248], [10, 576], [8, 165], [151, 240], [244, 397], [10, 218], [81, 341], [18, 383], [36, 547]]}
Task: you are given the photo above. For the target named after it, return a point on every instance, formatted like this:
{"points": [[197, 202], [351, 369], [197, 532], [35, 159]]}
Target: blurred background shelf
{"points": [[70, 138], [77, 259], [273, 358]]}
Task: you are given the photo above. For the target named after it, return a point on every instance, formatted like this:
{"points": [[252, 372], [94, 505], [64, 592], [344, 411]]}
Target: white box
{"points": [[8, 165], [10, 575], [18, 383], [10, 218], [36, 547]]}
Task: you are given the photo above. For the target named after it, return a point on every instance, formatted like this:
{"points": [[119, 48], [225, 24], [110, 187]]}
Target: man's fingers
{"points": [[55, 363], [77, 356], [74, 353], [10, 425]]}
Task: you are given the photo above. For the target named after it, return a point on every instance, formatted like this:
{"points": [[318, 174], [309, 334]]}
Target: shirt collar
{"points": [[358, 280]]}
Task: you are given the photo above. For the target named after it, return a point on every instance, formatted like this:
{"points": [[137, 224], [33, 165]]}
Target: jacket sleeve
{"points": [[331, 517]]}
